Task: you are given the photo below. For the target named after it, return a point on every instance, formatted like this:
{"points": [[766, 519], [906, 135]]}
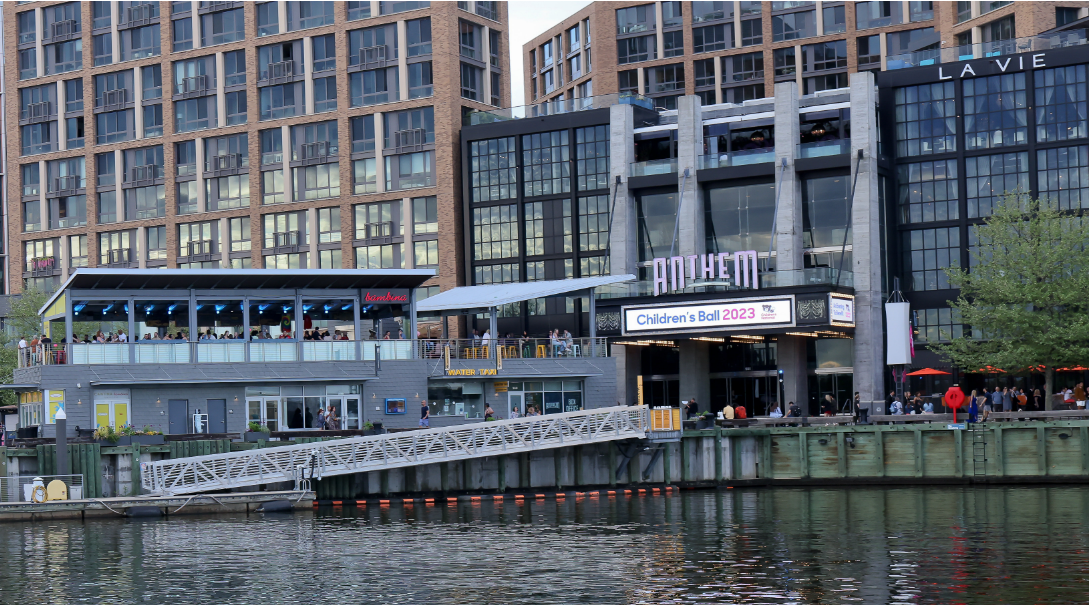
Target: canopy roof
{"points": [[495, 295], [240, 279]]}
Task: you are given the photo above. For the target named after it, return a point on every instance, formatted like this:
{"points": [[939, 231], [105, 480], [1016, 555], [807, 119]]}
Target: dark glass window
{"points": [[546, 163], [739, 217], [495, 232], [825, 211], [928, 191], [593, 223], [493, 169], [1063, 175], [712, 37], [835, 19], [752, 32], [930, 253], [995, 111], [992, 176], [1061, 112], [925, 119], [640, 48], [549, 228], [793, 26], [592, 157]]}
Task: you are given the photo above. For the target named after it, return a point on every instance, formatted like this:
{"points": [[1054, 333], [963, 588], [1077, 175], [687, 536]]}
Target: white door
{"points": [[264, 410], [347, 408], [516, 401]]}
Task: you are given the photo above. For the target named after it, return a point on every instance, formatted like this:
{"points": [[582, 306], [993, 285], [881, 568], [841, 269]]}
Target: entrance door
{"points": [[111, 413], [217, 415], [178, 410], [264, 410], [347, 408], [515, 402], [839, 386]]}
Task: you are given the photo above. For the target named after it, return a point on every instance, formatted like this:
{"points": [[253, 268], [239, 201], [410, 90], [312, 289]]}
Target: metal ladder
{"points": [[979, 449]]}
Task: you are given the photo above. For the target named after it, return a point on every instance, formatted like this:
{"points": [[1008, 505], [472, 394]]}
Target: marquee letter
{"points": [[1001, 66], [661, 285], [745, 268], [676, 268], [707, 266], [942, 76], [967, 70], [692, 275], [723, 270], [1038, 60]]}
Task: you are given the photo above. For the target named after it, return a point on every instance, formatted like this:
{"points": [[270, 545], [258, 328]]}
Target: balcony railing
{"points": [[409, 140], [316, 152], [146, 173], [194, 85], [61, 29], [119, 256], [744, 157], [38, 112], [820, 149], [549, 108], [200, 250], [379, 230], [228, 161], [63, 184], [142, 14], [286, 239], [987, 49], [372, 55], [43, 266], [113, 98], [652, 167], [282, 69]]}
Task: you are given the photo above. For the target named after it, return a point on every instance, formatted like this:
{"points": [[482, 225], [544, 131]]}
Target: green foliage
{"points": [[24, 319], [107, 433], [368, 426], [1026, 297], [256, 427]]}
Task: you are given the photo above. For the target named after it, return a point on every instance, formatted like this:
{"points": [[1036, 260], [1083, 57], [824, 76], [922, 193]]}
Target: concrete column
{"points": [[376, 8], [221, 97], [659, 35], [138, 97], [790, 351], [690, 232], [39, 53], [139, 245], [312, 222], [623, 242], [799, 61], [695, 368], [225, 243], [308, 69], [820, 16], [718, 78], [737, 24], [905, 6], [62, 97], [884, 50], [788, 219], [289, 187], [379, 146], [118, 178], [64, 257], [976, 10], [197, 26], [640, 79], [281, 12], [977, 37], [628, 363], [406, 224], [485, 44], [402, 59], [866, 242], [202, 202], [115, 35]]}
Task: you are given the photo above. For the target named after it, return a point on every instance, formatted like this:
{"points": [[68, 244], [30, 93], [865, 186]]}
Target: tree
{"points": [[24, 319], [1026, 293]]}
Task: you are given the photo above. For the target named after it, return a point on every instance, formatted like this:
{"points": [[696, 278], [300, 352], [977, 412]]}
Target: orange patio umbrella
{"points": [[991, 370], [928, 372]]}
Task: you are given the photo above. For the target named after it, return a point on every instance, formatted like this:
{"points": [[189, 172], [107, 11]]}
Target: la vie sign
{"points": [[1008, 64]]}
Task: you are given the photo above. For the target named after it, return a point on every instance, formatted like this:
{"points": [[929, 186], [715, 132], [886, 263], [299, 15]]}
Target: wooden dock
{"points": [[199, 504]]}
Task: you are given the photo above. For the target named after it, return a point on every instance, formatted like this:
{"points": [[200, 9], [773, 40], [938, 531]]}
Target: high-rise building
{"points": [[731, 52], [240, 134]]}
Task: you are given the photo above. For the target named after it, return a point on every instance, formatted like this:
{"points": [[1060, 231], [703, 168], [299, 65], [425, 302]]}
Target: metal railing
{"points": [[147, 172], [281, 69], [410, 140], [378, 230], [228, 161], [283, 239], [744, 157], [392, 450], [371, 55], [820, 149], [549, 108], [510, 348], [67, 27], [43, 266], [987, 49], [23, 488], [142, 14], [200, 249], [651, 167], [119, 256], [316, 151], [69, 182], [36, 112], [113, 98], [194, 84]]}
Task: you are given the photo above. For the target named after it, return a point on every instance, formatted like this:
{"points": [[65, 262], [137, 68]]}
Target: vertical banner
{"points": [[639, 388], [898, 331], [54, 401]]}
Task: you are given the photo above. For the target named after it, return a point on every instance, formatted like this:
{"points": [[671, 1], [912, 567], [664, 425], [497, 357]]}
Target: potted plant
{"points": [[106, 435], [255, 432], [147, 436], [368, 428]]}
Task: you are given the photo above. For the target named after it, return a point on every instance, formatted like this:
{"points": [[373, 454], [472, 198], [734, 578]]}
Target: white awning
{"points": [[495, 295]]}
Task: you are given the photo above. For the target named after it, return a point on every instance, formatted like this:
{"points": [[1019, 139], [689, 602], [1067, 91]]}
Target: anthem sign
{"points": [[670, 275], [709, 316]]}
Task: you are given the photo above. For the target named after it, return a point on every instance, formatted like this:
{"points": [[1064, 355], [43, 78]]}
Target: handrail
{"points": [[394, 450]]}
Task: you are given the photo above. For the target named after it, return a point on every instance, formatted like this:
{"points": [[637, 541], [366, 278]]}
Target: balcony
{"points": [[744, 157], [199, 251], [37, 112], [63, 30], [67, 184], [195, 85], [379, 233], [145, 174], [286, 242], [820, 149], [113, 99], [119, 257], [316, 153], [279, 71], [140, 15], [987, 49], [549, 108], [43, 266], [214, 7], [225, 162], [409, 140], [372, 55], [652, 167]]}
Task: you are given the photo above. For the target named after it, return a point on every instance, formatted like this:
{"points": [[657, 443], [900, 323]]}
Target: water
{"points": [[775, 545]]}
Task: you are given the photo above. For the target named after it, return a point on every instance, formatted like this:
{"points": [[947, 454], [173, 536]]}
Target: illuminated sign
{"points": [[471, 372], [841, 309], [386, 296], [995, 66], [716, 315], [669, 273]]}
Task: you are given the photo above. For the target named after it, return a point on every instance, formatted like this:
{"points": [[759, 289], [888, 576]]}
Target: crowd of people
{"points": [[559, 345]]}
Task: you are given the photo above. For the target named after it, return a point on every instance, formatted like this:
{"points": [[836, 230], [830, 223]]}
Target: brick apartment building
{"points": [[730, 52], [241, 134]]}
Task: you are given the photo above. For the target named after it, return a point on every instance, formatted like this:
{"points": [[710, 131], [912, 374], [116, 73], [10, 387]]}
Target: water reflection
{"points": [[870, 545]]}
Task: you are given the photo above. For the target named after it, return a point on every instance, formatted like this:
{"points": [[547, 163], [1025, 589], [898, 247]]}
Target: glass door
{"points": [[347, 408], [264, 410], [515, 401]]}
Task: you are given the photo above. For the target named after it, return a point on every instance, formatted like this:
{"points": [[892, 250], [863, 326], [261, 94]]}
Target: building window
{"points": [[549, 228], [325, 53], [752, 32], [272, 147], [995, 111], [926, 120], [222, 27], [824, 56], [939, 325], [194, 114], [632, 50], [878, 14], [469, 40], [1063, 175], [140, 43], [419, 37], [493, 169], [64, 57], [426, 253], [316, 182], [421, 81], [1002, 29], [389, 8], [32, 216], [739, 217], [305, 15], [115, 126], [410, 171], [495, 232], [546, 163], [374, 86], [931, 252], [272, 187], [911, 41], [31, 179], [793, 26], [379, 220], [593, 223], [425, 215], [869, 51], [703, 12], [835, 19], [365, 176], [285, 229], [506, 273], [992, 176], [1061, 108], [268, 17], [115, 247], [240, 234], [928, 191], [389, 256], [196, 238], [920, 11], [712, 37], [785, 64], [657, 218], [28, 64], [103, 49], [27, 25], [824, 211], [325, 94], [222, 193], [472, 82], [234, 68], [156, 243], [673, 46], [69, 211], [592, 157], [635, 19], [1063, 15], [187, 197], [145, 202], [328, 225]]}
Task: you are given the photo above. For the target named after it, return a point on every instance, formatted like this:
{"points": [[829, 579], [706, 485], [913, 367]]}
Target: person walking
{"points": [[321, 418], [987, 404], [1079, 396], [425, 415], [489, 413], [1037, 401]]}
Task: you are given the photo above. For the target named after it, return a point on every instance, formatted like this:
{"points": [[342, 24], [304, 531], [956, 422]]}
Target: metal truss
{"points": [[393, 450]]}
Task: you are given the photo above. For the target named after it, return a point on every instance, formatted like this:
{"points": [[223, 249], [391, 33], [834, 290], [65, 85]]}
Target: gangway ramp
{"points": [[393, 450]]}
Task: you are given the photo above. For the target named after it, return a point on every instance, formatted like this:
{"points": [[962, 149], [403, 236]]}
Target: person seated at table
{"points": [[775, 411], [568, 342], [928, 408], [740, 413], [793, 411], [558, 346]]}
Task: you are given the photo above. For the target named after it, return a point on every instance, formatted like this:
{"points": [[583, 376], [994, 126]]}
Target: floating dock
{"points": [[147, 506]]}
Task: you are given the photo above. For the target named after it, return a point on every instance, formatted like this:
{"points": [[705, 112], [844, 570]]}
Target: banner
{"points": [[898, 331]]}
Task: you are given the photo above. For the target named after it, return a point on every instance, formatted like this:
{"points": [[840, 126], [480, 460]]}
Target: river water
{"points": [[769, 545]]}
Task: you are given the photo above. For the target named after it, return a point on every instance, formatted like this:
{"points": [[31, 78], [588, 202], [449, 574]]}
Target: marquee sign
{"points": [[709, 316], [669, 273], [841, 309], [996, 65], [396, 295]]}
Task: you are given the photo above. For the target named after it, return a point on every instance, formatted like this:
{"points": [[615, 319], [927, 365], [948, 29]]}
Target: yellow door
{"points": [[102, 415], [120, 414]]}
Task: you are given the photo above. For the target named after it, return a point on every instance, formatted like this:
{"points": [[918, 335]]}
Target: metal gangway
{"points": [[300, 463]]}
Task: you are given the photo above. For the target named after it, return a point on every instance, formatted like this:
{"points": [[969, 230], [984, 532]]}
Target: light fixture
{"points": [[158, 401]]}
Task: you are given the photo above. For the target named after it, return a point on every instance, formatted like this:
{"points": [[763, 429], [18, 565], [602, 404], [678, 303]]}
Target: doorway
{"points": [[217, 415], [347, 408], [515, 403], [111, 413], [756, 390], [264, 411], [840, 386], [178, 410]]}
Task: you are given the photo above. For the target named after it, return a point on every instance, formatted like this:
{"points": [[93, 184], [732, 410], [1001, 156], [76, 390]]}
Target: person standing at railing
{"points": [[568, 341]]}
